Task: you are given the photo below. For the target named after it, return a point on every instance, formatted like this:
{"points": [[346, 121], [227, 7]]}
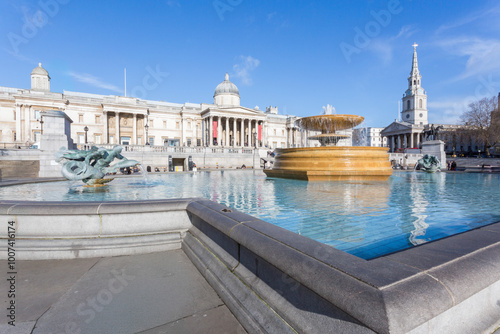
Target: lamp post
{"points": [[147, 139], [86, 129]]}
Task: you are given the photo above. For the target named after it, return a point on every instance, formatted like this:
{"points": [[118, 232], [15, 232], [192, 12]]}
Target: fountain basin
{"points": [[332, 163]]}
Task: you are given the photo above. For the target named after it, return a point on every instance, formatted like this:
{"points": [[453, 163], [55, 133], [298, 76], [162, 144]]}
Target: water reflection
{"points": [[363, 218]]}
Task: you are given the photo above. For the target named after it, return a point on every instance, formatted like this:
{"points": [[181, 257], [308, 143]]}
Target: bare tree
{"points": [[478, 121]]}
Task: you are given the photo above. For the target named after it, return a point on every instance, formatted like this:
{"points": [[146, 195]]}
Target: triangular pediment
{"points": [[396, 127]]}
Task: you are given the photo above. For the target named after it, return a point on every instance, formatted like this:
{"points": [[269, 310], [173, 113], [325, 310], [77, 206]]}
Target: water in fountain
{"points": [[144, 173]]}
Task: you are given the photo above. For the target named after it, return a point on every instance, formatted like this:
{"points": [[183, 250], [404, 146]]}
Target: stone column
{"points": [[19, 130], [183, 132], [27, 123], [234, 132], [242, 132], [392, 143], [219, 131], [117, 128], [105, 128], [264, 133], [211, 131], [134, 130], [227, 143]]}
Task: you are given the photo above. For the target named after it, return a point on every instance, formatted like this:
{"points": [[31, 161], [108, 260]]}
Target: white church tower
{"points": [[414, 109]]}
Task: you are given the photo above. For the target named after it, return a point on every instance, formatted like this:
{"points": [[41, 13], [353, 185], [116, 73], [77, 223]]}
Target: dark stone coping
{"points": [[390, 294]]}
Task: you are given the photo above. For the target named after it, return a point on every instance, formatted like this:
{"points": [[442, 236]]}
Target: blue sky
{"points": [[296, 55]]}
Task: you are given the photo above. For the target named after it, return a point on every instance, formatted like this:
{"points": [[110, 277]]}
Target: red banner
{"points": [[215, 129], [260, 131]]}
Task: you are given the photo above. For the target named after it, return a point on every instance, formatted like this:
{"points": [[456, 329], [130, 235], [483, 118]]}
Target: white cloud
{"points": [[384, 47], [484, 14], [243, 69], [94, 81], [482, 55]]}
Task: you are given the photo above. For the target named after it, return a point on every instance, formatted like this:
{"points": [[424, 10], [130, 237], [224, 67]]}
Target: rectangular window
{"points": [[151, 141], [80, 118], [111, 140], [139, 140], [81, 138], [36, 136], [36, 114], [198, 142], [164, 124], [189, 142], [98, 139]]}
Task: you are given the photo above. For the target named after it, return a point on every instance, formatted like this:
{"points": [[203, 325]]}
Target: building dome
{"points": [[40, 79], [226, 87], [227, 94], [39, 70]]}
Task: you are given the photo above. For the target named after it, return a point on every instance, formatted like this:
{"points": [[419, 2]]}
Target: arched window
{"points": [[414, 82], [420, 103], [408, 105]]}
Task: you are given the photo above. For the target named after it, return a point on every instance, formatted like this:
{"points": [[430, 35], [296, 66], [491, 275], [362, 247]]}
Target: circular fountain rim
{"points": [[330, 122]]}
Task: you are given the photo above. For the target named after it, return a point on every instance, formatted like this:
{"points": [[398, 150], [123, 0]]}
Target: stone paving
{"points": [[150, 293]]}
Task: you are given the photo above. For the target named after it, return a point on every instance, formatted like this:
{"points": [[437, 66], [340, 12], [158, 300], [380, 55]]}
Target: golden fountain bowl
{"points": [[329, 123]]}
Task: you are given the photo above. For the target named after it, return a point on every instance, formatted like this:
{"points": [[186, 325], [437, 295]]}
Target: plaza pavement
{"points": [[150, 293]]}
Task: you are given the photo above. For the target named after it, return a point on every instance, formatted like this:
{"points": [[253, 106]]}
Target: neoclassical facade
{"points": [[109, 119]]}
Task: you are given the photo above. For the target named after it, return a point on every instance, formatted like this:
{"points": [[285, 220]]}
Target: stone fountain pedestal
{"points": [[332, 163], [329, 162], [435, 148]]}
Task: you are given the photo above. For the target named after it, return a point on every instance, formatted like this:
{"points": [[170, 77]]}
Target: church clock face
{"points": [[421, 115], [407, 115]]}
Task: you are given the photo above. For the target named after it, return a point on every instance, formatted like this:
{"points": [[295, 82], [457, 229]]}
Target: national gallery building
{"points": [[108, 119]]}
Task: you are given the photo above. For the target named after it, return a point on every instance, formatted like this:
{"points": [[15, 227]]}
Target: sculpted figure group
{"points": [[91, 166]]}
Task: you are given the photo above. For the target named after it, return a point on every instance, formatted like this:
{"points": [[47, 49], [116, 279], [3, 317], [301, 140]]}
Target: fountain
{"points": [[330, 162], [429, 164], [92, 166]]}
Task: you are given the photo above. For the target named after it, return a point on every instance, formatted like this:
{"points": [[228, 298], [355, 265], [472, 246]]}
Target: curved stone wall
{"points": [[67, 230]]}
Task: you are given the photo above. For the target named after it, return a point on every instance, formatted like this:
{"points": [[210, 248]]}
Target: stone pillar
{"points": [[211, 131], [19, 130], [27, 118], [227, 143], [134, 130], [392, 143], [105, 129], [117, 128], [234, 132], [264, 133], [183, 132], [249, 133], [242, 132], [219, 131]]}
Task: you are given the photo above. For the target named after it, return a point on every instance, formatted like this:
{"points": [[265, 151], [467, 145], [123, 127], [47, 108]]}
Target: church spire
{"points": [[414, 65]]}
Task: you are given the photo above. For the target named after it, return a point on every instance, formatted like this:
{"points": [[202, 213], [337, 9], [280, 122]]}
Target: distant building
{"points": [[368, 136], [108, 119]]}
